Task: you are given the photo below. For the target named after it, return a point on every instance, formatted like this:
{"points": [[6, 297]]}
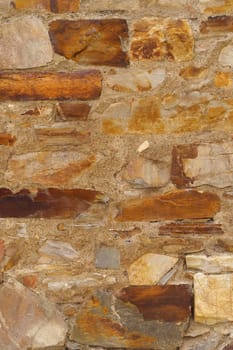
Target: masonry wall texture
{"points": [[116, 174]]}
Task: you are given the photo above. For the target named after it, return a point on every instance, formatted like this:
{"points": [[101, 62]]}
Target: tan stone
{"points": [[136, 80], [213, 298], [24, 43], [150, 268], [225, 57], [223, 79], [216, 6], [58, 135], [158, 39], [142, 173], [210, 264], [104, 5], [47, 168]]}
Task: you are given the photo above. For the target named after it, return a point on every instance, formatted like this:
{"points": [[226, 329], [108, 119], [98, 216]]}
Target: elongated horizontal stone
{"points": [[91, 41], [161, 38], [191, 229], [7, 139], [129, 329], [218, 7], [213, 298], [150, 268], [47, 168], [71, 111], [24, 43], [204, 164], [106, 5], [210, 264], [57, 6], [218, 24], [27, 86], [187, 204], [46, 203], [171, 303], [62, 136]]}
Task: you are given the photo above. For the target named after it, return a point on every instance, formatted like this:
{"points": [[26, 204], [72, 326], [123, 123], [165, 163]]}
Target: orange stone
{"points": [[223, 79], [174, 205], [57, 6], [192, 72], [7, 139], [30, 281]]}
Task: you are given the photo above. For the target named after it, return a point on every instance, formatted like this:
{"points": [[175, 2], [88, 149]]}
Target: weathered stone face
{"points": [[57, 6], [91, 42]]}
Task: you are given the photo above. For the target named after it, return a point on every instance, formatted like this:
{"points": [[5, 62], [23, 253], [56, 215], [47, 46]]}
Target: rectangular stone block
{"points": [[71, 111], [218, 24], [187, 204], [88, 42], [190, 229], [7, 139], [213, 298], [203, 164], [26, 86], [57, 6], [157, 39], [62, 136], [46, 203]]}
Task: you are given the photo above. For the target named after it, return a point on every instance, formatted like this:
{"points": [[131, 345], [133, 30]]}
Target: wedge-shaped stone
{"points": [[35, 324], [47, 168], [84, 85], [47, 203], [150, 268], [210, 264], [187, 204], [213, 298], [218, 24], [126, 323], [56, 6], [91, 41], [72, 111], [24, 43], [142, 173], [162, 38], [190, 228], [204, 164]]}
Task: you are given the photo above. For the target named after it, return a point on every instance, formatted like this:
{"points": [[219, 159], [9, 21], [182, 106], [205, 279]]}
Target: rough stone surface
{"points": [[158, 39], [122, 323], [36, 323], [210, 264], [107, 258], [91, 41], [172, 205], [191, 228], [150, 268], [57, 6], [24, 43], [213, 298]]}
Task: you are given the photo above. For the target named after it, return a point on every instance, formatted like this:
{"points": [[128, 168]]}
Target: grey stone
{"points": [[107, 258]]}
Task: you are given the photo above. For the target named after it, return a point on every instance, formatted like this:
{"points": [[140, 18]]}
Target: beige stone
{"points": [[24, 43], [213, 298], [104, 5], [47, 168], [142, 173], [150, 268], [215, 7], [225, 57], [136, 80], [210, 264]]}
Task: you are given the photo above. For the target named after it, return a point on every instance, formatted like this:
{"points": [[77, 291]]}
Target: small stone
{"points": [[59, 249], [208, 341], [57, 6], [210, 264], [225, 57], [143, 173], [72, 111], [150, 268], [30, 281], [24, 43], [2, 249], [107, 258], [217, 25], [7, 139], [223, 80], [144, 146], [36, 323], [213, 298], [192, 72], [196, 329]]}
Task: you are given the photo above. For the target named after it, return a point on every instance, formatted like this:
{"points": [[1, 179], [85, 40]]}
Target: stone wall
{"points": [[116, 170]]}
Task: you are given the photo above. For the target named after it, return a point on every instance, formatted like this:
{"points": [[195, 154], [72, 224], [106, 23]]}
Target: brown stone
{"points": [[27, 86], [47, 168], [72, 111], [171, 303], [226, 244], [191, 229], [203, 164], [123, 325], [24, 43], [161, 38], [218, 24], [57, 6], [228, 347], [186, 204], [192, 72], [63, 136], [7, 139], [46, 203], [176, 245], [91, 41], [30, 281]]}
